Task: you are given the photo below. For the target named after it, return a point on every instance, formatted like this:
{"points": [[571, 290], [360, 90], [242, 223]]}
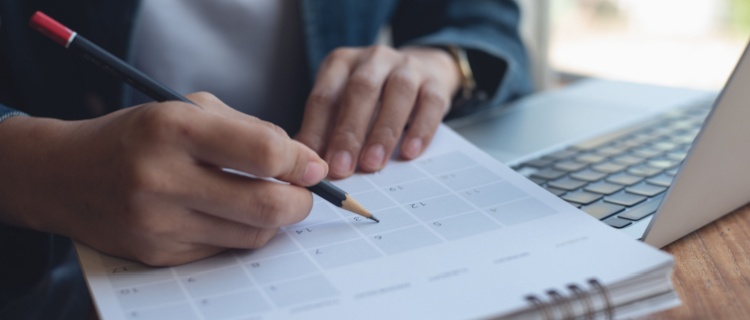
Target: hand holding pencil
{"points": [[146, 182], [70, 39]]}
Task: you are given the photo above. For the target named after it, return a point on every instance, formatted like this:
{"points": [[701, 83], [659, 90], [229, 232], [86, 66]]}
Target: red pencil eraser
{"points": [[51, 28]]}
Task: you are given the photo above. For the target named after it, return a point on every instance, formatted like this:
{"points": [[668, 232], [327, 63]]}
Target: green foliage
{"points": [[739, 16]]}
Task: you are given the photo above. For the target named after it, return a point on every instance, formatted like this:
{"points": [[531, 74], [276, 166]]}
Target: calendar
{"points": [[457, 229]]}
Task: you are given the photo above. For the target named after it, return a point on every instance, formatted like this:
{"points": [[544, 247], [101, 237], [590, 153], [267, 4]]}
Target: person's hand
{"points": [[147, 183], [364, 97]]}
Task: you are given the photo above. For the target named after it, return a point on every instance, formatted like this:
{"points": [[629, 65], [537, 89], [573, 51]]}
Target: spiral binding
{"points": [[561, 306]]}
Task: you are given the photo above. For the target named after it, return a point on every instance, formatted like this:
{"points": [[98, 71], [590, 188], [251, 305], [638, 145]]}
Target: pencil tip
{"points": [[352, 205]]}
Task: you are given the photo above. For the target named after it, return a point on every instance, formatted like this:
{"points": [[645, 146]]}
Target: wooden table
{"points": [[712, 270]]}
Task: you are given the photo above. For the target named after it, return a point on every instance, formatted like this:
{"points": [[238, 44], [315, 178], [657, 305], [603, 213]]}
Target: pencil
{"points": [[339, 198], [159, 92]]}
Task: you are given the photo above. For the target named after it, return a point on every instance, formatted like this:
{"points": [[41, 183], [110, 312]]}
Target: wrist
{"points": [[439, 60], [24, 145], [464, 86]]}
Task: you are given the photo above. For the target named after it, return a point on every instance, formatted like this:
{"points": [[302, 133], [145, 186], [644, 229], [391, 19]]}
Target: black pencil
{"points": [[339, 198], [159, 92]]}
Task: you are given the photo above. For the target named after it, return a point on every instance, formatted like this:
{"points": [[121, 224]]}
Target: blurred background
{"points": [[685, 43]]}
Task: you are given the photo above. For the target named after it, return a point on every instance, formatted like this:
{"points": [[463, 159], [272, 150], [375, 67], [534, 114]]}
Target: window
{"points": [[690, 43]]}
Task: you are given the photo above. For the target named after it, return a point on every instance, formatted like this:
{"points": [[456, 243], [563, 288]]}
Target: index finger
{"points": [[251, 145]]}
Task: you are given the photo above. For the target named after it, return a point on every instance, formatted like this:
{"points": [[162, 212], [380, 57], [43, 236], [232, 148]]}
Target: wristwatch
{"points": [[468, 84]]}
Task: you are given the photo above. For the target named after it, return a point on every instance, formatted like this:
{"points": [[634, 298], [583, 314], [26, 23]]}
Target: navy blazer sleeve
{"points": [[487, 29]]}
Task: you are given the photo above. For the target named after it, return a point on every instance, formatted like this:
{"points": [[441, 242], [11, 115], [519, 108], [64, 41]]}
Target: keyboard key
{"points": [[582, 197], [647, 152], [537, 180], [662, 163], [617, 222], [624, 179], [539, 163], [548, 174], [664, 146], [604, 188], [567, 184], [577, 205], [628, 159], [682, 139], [692, 133], [642, 138], [676, 155], [609, 167], [672, 172], [601, 210], [590, 158], [633, 142], [526, 171], [641, 211], [588, 175], [563, 154], [644, 171], [555, 191], [646, 189], [625, 199], [610, 151], [570, 165], [663, 180], [686, 123], [662, 131]]}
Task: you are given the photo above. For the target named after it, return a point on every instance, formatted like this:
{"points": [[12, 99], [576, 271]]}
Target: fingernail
{"points": [[314, 172], [374, 156], [412, 148], [341, 163]]}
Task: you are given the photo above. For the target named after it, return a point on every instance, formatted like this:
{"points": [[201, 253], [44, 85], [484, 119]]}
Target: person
{"points": [[85, 157]]}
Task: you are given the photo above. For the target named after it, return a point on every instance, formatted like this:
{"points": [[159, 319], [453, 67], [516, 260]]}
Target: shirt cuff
{"points": [[6, 113]]}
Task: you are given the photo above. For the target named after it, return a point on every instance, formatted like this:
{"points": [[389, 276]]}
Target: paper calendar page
{"points": [[461, 236]]}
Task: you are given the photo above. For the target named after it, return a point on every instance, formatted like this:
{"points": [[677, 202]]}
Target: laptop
{"points": [[655, 162]]}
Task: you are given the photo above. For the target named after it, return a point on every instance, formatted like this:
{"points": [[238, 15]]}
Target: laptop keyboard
{"points": [[620, 178]]}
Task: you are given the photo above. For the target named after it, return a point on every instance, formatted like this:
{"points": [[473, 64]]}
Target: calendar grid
{"points": [[186, 294], [450, 186], [248, 274]]}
